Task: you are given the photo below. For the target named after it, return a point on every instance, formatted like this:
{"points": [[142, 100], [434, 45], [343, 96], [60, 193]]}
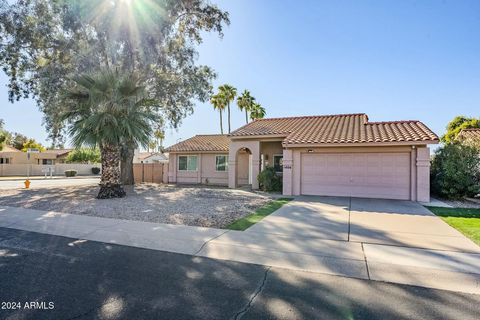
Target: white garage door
{"points": [[369, 175]]}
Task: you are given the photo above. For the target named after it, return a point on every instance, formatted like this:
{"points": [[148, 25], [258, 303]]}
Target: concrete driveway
{"points": [[386, 240], [391, 241]]}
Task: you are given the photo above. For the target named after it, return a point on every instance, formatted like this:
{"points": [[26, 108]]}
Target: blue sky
{"points": [[394, 60]]}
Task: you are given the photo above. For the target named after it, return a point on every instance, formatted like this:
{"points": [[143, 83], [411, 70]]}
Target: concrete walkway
{"points": [[392, 241]]}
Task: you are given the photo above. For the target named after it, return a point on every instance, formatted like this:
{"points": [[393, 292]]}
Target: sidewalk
{"points": [[57, 177], [448, 270]]}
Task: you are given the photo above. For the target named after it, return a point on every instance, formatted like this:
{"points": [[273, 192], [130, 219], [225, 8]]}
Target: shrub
{"points": [[269, 180], [70, 173], [84, 155], [455, 171], [95, 170]]}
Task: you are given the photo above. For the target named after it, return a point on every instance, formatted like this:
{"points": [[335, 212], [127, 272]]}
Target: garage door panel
{"points": [[370, 175]]}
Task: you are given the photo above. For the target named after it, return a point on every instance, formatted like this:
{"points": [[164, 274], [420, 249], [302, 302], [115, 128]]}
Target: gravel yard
{"points": [[194, 206], [473, 203]]}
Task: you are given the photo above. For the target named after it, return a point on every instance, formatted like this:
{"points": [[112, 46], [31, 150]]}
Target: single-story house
{"points": [[10, 155], [470, 136], [150, 157], [200, 159], [331, 155]]}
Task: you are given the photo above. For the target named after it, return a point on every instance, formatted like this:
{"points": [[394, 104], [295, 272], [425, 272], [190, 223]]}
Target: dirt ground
{"points": [[195, 206]]}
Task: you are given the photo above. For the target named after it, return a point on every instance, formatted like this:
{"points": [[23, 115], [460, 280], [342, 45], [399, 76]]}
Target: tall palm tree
{"points": [[159, 136], [245, 102], [219, 104], [228, 93], [257, 112], [106, 109]]}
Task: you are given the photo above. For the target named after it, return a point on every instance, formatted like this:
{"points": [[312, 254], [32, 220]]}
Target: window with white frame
{"points": [[221, 163], [187, 163]]}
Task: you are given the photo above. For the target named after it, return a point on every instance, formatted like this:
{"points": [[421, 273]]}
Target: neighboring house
{"points": [[7, 154], [200, 159], [150, 157], [51, 157], [10, 155], [470, 136], [332, 155]]}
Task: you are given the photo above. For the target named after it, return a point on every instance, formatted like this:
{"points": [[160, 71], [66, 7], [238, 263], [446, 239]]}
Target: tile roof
{"points": [[470, 134], [58, 152], [145, 155], [210, 142], [342, 128], [7, 148]]}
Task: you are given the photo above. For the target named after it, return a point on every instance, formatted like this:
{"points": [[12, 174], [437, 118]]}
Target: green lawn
{"points": [[259, 214], [467, 221]]}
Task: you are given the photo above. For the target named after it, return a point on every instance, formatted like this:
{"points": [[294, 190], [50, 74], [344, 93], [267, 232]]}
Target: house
{"points": [[200, 159], [331, 155], [51, 157], [7, 154], [10, 155], [150, 157], [469, 136]]}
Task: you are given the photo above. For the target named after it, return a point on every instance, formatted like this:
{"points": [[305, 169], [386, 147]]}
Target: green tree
{"points": [[159, 135], [455, 171], [458, 124], [107, 109], [84, 155], [245, 103], [3, 134], [17, 140], [257, 112], [228, 94], [219, 104], [32, 144], [44, 44]]}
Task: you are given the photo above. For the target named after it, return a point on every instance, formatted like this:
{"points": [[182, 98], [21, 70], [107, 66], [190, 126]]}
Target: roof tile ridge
{"points": [[392, 122], [312, 116]]}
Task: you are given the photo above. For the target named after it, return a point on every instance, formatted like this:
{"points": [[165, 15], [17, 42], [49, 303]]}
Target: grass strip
{"points": [[465, 220], [245, 222]]}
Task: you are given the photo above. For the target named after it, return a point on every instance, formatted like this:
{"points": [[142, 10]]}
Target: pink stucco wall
{"points": [[205, 172], [269, 149]]}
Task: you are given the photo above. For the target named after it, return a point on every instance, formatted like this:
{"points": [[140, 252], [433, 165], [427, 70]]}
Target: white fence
{"points": [[39, 170]]}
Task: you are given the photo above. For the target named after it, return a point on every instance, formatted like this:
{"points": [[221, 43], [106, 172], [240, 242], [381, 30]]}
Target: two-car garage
{"points": [[344, 155], [370, 175]]}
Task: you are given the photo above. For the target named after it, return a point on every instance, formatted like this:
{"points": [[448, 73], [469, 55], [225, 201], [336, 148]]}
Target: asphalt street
{"points": [[51, 277]]}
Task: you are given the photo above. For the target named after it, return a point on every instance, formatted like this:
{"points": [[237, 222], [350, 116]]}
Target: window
{"points": [[221, 163], [47, 161], [4, 160], [187, 163], [278, 163]]}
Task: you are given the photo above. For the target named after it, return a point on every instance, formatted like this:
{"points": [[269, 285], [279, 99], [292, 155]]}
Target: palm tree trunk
{"points": [[110, 186], [229, 117], [221, 122], [246, 115], [127, 152]]}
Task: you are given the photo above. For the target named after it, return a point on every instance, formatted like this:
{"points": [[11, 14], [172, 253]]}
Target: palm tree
{"points": [[245, 102], [106, 109], [228, 93], [218, 103], [159, 136], [257, 112]]}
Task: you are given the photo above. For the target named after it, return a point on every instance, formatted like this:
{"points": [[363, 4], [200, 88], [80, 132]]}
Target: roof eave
{"points": [[261, 136], [198, 151], [358, 144]]}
